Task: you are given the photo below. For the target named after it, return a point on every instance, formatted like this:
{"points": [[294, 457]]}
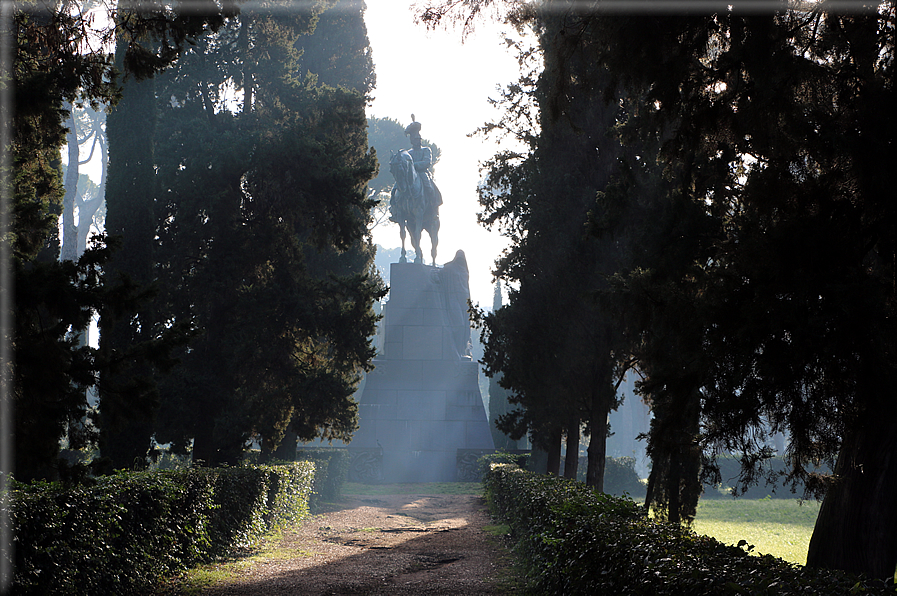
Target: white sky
{"points": [[446, 85]]}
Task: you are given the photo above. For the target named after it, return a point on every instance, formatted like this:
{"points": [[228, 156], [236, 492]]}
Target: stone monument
{"points": [[421, 415]]}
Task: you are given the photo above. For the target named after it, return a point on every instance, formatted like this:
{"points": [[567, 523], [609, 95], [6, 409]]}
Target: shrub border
{"points": [[125, 532], [572, 540]]}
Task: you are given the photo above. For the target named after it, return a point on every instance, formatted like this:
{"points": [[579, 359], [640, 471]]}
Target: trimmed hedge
{"points": [[620, 477], [331, 472], [485, 463], [124, 533], [572, 540]]}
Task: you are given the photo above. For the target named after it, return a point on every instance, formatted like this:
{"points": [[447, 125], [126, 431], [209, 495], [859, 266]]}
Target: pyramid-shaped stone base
{"points": [[421, 412]]}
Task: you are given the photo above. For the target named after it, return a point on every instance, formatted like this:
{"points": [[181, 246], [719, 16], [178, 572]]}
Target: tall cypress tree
{"points": [[127, 399], [499, 405], [51, 69], [772, 125], [557, 354], [264, 246]]}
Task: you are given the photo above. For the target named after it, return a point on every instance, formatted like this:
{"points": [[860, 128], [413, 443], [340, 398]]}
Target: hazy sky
{"points": [[446, 85]]}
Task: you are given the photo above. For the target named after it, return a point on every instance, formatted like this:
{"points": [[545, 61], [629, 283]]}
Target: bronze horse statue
{"points": [[416, 207]]}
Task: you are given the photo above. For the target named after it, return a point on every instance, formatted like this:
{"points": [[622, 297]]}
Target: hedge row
{"points": [[572, 540], [331, 471], [620, 477], [127, 531]]}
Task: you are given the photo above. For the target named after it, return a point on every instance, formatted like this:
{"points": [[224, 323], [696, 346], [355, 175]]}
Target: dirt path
{"points": [[391, 544]]}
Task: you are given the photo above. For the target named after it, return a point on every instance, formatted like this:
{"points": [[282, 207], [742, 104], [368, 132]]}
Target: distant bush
{"points": [[124, 532], [620, 477], [331, 472], [572, 540], [484, 463], [730, 468]]}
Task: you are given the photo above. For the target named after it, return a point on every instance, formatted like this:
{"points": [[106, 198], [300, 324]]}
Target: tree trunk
{"points": [[554, 451], [571, 462], [69, 250], [597, 458], [538, 460], [286, 451], [88, 209], [674, 480], [857, 525], [602, 397], [128, 404], [203, 443], [215, 446]]}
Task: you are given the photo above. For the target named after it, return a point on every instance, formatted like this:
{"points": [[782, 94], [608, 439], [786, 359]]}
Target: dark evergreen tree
{"points": [[338, 51], [498, 396], [565, 377], [263, 243], [128, 400], [50, 71], [148, 39], [775, 125]]}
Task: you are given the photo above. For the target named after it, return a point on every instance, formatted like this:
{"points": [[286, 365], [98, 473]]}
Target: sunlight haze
{"points": [[446, 85]]}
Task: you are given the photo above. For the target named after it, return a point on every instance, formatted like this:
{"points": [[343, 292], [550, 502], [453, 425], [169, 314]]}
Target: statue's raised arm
{"points": [[415, 200]]}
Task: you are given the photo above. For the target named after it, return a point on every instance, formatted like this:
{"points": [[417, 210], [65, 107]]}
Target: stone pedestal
{"points": [[421, 404]]}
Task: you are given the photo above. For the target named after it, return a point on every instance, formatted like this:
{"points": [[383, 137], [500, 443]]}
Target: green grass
{"points": [[194, 580], [508, 576], [778, 527], [423, 488], [499, 530]]}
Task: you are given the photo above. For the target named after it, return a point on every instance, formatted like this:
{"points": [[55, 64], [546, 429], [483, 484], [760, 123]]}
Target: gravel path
{"points": [[389, 544]]}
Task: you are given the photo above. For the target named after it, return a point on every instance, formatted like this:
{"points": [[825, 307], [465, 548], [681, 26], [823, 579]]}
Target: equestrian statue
{"points": [[415, 200]]}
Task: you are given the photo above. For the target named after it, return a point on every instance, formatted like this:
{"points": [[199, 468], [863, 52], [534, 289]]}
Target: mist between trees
{"points": [[234, 282], [704, 204]]}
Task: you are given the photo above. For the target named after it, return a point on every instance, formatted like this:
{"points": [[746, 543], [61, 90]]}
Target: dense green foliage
{"points": [[751, 256], [124, 532], [620, 477], [241, 229], [485, 463], [262, 238], [573, 540], [60, 61], [331, 472]]}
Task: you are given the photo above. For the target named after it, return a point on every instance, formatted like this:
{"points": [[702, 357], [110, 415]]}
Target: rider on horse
{"points": [[423, 159]]}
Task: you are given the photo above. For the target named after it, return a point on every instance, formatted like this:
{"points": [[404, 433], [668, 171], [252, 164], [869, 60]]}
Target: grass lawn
{"points": [[778, 527]]}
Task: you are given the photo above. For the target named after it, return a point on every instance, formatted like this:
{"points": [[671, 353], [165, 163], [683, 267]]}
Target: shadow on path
{"points": [[389, 544]]}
